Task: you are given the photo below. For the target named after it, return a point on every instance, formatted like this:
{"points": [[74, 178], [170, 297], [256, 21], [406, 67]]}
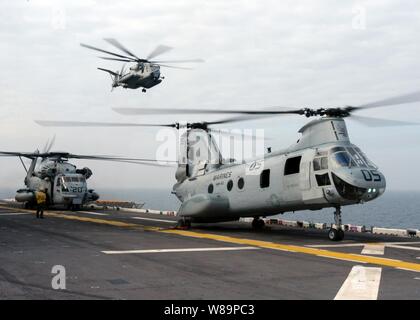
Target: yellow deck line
{"points": [[410, 266]]}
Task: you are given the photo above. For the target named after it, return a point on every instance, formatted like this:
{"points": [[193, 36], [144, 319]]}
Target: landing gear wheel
{"points": [[143, 90], [336, 235], [258, 224], [184, 224]]}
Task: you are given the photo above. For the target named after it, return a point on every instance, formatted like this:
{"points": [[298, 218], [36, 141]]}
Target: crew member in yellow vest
{"points": [[41, 200]]}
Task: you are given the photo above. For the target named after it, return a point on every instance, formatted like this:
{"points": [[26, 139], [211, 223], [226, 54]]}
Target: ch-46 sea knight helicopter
{"points": [[322, 169], [144, 73], [65, 184]]}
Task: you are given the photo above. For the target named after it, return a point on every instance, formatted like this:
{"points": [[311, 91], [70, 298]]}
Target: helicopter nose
{"points": [[359, 184]]}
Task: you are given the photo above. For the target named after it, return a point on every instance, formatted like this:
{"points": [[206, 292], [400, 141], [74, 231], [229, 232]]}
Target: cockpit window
{"points": [[368, 162], [356, 157], [343, 159]]}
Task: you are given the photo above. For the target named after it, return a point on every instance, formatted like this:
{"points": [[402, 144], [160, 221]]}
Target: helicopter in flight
{"points": [[323, 169], [144, 73], [64, 183]]}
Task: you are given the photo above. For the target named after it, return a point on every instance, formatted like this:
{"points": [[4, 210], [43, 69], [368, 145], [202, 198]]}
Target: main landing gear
{"points": [[184, 223], [258, 223], [337, 233]]}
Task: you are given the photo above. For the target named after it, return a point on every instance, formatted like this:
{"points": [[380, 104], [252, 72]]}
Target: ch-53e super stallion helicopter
{"points": [[64, 183], [145, 73], [322, 169]]}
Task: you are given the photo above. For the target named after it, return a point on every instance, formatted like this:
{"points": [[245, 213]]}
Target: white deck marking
{"points": [[14, 213], [180, 250], [94, 213], [374, 249], [151, 219], [358, 244], [336, 245], [403, 247], [362, 283]]}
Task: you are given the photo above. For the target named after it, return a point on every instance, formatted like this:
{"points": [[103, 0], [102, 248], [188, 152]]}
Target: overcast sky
{"points": [[258, 54]]}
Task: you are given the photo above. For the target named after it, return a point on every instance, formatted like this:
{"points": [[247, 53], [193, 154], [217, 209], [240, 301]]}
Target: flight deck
{"points": [[117, 254]]}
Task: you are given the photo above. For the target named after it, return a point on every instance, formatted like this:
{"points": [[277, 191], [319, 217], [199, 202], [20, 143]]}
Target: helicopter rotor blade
{"points": [[377, 122], [179, 61], [173, 67], [50, 145], [401, 99], [143, 111], [160, 49], [117, 44], [48, 123], [116, 59], [109, 71], [104, 51]]}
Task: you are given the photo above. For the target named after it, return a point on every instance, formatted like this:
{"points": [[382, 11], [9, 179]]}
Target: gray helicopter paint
{"points": [[293, 192], [141, 75], [64, 185]]}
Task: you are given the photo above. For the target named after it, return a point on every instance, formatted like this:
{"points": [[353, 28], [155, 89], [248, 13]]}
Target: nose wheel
{"points": [[258, 224], [336, 233], [143, 90]]}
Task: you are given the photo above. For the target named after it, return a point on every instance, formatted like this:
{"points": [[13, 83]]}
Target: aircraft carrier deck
{"points": [[114, 254]]}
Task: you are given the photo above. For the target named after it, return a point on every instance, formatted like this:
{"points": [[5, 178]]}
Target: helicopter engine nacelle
{"points": [[24, 195], [85, 171]]}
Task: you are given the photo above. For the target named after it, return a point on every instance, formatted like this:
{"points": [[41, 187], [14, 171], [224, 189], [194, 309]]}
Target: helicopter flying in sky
{"points": [[65, 184], [144, 73], [323, 169]]}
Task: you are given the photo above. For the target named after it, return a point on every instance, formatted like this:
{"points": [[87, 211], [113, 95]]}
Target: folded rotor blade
{"points": [[115, 43], [158, 51]]}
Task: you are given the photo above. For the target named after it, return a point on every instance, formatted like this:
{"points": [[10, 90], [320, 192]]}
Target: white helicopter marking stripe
{"points": [[151, 219], [362, 283], [94, 213], [374, 248], [14, 213], [181, 250]]}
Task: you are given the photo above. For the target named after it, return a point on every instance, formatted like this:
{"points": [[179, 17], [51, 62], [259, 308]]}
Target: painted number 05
{"points": [[371, 175]]}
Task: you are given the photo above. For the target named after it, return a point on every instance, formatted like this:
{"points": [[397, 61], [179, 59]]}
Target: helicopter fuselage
{"points": [[145, 75], [64, 183], [323, 169]]}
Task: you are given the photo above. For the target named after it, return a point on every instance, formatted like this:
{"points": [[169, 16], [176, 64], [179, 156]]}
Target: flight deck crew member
{"points": [[41, 199]]}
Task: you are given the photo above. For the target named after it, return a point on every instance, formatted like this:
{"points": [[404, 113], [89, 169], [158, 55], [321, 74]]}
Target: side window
{"points": [[265, 178], [229, 185], [320, 163], [241, 183], [210, 188], [322, 179], [58, 182], [292, 165]]}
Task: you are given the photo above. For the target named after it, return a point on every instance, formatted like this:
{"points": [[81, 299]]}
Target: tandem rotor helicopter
{"points": [[145, 73], [64, 183], [323, 169]]}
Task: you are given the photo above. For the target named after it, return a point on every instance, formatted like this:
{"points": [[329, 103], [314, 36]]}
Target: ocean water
{"points": [[394, 209]]}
